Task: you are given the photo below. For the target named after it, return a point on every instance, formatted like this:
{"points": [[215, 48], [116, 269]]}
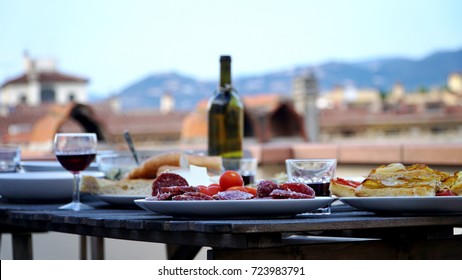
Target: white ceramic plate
{"points": [[52, 165], [407, 204], [234, 208], [39, 186], [120, 200]]}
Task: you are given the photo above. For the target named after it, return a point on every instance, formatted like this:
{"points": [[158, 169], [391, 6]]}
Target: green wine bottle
{"points": [[225, 116]]}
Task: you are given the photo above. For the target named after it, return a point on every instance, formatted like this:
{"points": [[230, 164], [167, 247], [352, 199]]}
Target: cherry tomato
{"points": [[251, 190], [209, 190], [229, 179]]}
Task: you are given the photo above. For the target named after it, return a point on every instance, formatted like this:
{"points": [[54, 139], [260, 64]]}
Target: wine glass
{"points": [[75, 152]]}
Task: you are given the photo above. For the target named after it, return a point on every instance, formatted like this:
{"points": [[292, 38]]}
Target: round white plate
{"points": [[234, 208], [39, 186], [407, 204], [52, 165]]}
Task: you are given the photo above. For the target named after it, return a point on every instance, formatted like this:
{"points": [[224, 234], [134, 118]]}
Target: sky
{"points": [[116, 43]]}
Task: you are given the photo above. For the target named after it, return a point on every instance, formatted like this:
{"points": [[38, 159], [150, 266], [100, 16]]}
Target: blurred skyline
{"points": [[116, 43]]}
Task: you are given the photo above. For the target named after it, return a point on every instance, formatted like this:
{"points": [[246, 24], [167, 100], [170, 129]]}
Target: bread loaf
{"points": [[149, 169], [140, 187]]}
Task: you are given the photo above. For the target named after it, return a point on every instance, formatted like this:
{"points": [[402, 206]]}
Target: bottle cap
{"points": [[225, 58]]}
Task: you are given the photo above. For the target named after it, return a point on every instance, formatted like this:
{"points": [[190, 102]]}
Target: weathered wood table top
{"points": [[345, 234]]}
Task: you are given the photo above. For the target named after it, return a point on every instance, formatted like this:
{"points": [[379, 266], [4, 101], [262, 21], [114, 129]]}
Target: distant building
{"points": [[41, 83], [267, 117], [455, 82], [167, 103], [305, 95], [349, 97]]}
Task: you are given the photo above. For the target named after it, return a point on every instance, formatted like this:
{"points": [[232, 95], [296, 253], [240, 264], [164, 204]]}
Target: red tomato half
{"points": [[230, 179], [211, 190]]}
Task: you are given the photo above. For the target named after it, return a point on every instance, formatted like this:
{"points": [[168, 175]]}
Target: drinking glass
{"points": [[246, 167], [75, 152], [10, 158], [317, 173]]}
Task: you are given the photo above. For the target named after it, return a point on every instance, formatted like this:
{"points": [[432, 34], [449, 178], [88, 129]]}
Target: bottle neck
{"points": [[225, 75]]}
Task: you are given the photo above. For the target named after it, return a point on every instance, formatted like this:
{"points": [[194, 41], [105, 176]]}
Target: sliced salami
{"points": [[285, 194], [233, 195], [175, 190], [298, 187], [192, 196], [265, 187], [167, 180]]}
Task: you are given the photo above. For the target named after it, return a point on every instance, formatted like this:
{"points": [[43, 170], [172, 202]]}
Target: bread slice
{"points": [[399, 180], [140, 187], [456, 187], [394, 191]]}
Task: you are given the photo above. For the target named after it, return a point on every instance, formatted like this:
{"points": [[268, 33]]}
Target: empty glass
{"points": [[10, 157]]}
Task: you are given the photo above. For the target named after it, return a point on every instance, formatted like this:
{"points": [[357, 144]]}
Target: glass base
{"points": [[76, 206]]}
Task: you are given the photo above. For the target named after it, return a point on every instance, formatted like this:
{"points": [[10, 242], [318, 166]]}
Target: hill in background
{"points": [[431, 71]]}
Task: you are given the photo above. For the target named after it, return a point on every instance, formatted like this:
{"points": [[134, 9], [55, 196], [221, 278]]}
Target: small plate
{"points": [[407, 204], [39, 186], [234, 208]]}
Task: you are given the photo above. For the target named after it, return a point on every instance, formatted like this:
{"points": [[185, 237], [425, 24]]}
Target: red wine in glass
{"points": [[321, 188], [248, 178], [75, 162], [75, 152]]}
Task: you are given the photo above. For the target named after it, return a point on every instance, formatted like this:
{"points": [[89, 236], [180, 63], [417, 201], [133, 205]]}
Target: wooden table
{"points": [[345, 234]]}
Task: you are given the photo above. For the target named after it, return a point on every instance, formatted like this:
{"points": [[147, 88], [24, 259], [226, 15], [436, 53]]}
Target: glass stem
{"points": [[75, 190]]}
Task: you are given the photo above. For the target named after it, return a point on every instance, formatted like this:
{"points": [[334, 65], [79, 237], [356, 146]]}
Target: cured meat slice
{"points": [[298, 187], [164, 196], [192, 196], [265, 187], [168, 193], [284, 194], [233, 195], [175, 190], [167, 180]]}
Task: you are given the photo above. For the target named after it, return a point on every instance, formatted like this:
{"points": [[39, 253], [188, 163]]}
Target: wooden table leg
{"points": [[97, 248], [182, 252], [83, 247], [22, 246]]}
